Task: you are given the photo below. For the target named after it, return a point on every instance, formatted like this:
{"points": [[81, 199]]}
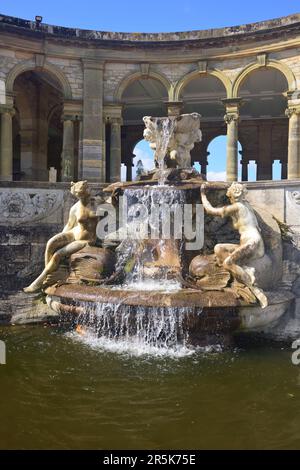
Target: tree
{"points": [[140, 168]]}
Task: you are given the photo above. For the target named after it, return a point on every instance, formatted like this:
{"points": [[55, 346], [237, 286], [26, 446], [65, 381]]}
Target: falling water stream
{"points": [[156, 209], [165, 130], [138, 330]]}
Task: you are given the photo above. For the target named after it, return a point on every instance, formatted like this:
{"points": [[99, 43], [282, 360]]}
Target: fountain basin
{"points": [[255, 318], [180, 298], [207, 316]]}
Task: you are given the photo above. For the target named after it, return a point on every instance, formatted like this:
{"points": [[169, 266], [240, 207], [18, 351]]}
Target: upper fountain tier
{"points": [[173, 138]]}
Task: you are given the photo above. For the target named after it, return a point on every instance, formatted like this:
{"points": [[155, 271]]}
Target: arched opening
{"points": [[263, 127], [216, 151], [142, 97], [55, 132], [203, 94], [143, 158], [37, 132]]}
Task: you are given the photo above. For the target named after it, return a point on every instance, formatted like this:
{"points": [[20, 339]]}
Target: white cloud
{"points": [[216, 175]]}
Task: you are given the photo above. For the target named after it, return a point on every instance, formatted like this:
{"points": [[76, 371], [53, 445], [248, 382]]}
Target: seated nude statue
{"points": [[79, 231], [232, 256]]}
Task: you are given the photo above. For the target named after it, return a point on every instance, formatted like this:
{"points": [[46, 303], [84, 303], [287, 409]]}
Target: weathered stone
{"points": [[91, 264]]}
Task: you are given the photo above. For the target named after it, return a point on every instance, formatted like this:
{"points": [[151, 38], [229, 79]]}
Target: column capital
{"points": [[5, 109], [232, 106], [292, 94], [113, 113], [230, 117], [114, 120], [70, 117], [292, 110]]}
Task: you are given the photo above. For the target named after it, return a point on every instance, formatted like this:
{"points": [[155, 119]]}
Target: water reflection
{"points": [[61, 393]]}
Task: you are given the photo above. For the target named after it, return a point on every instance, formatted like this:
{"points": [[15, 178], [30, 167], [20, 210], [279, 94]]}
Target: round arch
{"points": [[31, 66], [52, 111], [135, 76], [286, 71], [196, 74]]}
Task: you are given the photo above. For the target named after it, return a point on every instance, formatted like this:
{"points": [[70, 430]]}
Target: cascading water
{"points": [[139, 330], [148, 258], [165, 128], [152, 215]]}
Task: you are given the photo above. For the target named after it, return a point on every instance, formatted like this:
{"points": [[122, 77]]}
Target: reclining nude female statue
{"points": [[234, 257], [79, 232]]}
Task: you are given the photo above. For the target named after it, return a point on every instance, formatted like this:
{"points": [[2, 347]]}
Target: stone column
{"points": [[105, 170], [93, 156], [129, 166], [293, 113], [284, 167], [115, 149], [67, 164], [174, 108], [6, 149], [244, 164], [231, 118], [203, 162], [80, 150]]}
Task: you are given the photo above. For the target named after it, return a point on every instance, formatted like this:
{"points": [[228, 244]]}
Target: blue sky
{"points": [[155, 16]]}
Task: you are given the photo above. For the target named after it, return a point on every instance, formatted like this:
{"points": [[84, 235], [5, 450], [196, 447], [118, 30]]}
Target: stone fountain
{"points": [[169, 258]]}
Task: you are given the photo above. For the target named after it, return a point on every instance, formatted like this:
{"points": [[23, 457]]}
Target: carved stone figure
{"points": [[79, 232], [174, 137], [234, 257]]}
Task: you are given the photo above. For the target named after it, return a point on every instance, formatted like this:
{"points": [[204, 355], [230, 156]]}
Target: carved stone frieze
{"points": [[26, 205]]}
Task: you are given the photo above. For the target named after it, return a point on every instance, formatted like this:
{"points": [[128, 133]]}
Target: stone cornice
{"points": [[178, 53], [203, 38]]}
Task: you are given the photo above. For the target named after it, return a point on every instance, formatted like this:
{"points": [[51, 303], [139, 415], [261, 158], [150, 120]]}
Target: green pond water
{"points": [[58, 392]]}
